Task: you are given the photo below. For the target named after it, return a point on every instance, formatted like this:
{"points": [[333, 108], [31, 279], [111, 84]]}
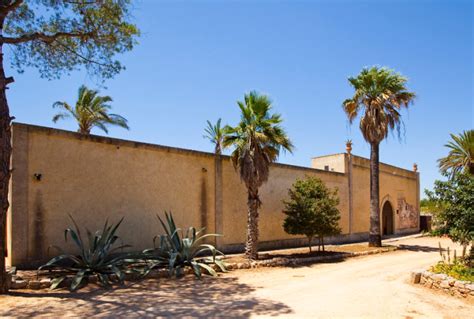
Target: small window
{"points": [[326, 167]]}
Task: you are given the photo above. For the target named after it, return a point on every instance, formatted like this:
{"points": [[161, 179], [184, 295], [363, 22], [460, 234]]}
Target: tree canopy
{"points": [[455, 203], [258, 139], [59, 36], [380, 94], [311, 210]]}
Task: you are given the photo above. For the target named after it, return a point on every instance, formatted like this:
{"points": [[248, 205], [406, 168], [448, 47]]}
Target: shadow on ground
{"points": [[209, 297], [426, 249]]}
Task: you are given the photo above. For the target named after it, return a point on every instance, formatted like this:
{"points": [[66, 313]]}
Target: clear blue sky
{"points": [[196, 58]]}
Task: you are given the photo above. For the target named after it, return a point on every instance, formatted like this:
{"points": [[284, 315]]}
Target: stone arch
{"points": [[387, 217]]}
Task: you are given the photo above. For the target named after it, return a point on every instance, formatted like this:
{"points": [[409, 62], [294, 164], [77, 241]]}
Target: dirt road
{"points": [[375, 286]]}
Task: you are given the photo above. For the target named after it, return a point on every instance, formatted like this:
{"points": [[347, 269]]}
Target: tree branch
{"points": [[15, 4], [47, 38], [83, 57]]}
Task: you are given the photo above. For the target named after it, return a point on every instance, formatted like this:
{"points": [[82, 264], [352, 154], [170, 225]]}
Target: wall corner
{"points": [[17, 217]]}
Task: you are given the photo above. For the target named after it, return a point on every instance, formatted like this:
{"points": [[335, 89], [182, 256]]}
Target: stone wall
{"points": [[57, 173], [444, 283]]}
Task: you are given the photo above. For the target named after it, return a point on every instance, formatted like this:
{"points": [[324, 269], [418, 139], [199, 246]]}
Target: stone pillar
{"points": [[417, 204], [218, 188], [350, 182]]}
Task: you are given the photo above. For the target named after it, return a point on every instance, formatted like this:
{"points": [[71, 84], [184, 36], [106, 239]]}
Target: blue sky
{"points": [[196, 58]]}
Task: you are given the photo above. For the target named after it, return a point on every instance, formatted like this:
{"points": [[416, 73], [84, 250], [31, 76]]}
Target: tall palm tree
{"points": [[91, 110], [380, 94], [215, 134], [257, 141], [461, 154]]}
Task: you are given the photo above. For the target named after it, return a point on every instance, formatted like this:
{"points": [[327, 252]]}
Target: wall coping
{"points": [[367, 160], [136, 144]]}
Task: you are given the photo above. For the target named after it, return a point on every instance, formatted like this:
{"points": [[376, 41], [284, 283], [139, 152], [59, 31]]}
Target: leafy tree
{"points": [[455, 198], [461, 154], [380, 94], [215, 133], [312, 210], [56, 37], [257, 141], [91, 110]]}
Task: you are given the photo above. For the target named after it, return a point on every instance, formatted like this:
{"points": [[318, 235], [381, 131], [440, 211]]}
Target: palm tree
{"points": [[257, 140], [91, 110], [461, 154], [380, 94], [215, 134]]}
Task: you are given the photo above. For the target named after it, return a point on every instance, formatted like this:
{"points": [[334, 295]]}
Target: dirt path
{"points": [[365, 287]]}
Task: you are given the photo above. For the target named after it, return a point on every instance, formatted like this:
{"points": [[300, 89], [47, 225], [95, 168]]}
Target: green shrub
{"points": [[454, 199], [311, 210], [456, 267], [97, 256], [177, 250], [456, 270]]}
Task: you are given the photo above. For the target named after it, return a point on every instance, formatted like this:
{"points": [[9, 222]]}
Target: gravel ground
{"points": [[375, 286]]}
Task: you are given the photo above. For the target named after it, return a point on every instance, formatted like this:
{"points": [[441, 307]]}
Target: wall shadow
{"points": [[208, 297], [426, 249], [37, 249]]}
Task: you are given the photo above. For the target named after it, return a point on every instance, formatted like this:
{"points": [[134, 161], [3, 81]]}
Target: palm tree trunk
{"points": [[251, 249], [375, 240], [84, 131], [5, 153]]}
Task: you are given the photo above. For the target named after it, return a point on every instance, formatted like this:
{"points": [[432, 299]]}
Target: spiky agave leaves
{"points": [[97, 256], [177, 250]]}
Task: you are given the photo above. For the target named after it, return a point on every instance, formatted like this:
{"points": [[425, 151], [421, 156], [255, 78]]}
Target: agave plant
{"points": [[97, 256], [178, 249]]}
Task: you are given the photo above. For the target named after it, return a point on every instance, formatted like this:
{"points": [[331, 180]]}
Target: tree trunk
{"points": [[251, 249], [5, 153], [84, 131], [375, 240], [322, 242], [309, 243]]}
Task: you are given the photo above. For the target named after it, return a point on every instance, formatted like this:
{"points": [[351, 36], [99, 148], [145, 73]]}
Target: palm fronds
{"points": [[461, 154], [380, 94], [91, 110]]}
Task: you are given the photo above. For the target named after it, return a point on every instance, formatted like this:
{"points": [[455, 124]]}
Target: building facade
{"points": [[59, 173]]}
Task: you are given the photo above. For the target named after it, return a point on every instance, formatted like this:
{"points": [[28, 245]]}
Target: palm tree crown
{"points": [[380, 93], [461, 154], [258, 139], [91, 110], [215, 134]]}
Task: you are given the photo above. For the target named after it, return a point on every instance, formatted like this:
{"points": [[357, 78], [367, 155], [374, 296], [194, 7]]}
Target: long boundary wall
{"points": [[59, 173]]}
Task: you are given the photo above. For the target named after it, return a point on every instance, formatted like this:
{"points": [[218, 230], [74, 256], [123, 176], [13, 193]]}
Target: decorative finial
{"points": [[349, 146], [415, 167]]}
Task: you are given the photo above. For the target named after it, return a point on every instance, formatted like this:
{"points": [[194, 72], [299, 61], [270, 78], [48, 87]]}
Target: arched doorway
{"points": [[387, 219]]}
